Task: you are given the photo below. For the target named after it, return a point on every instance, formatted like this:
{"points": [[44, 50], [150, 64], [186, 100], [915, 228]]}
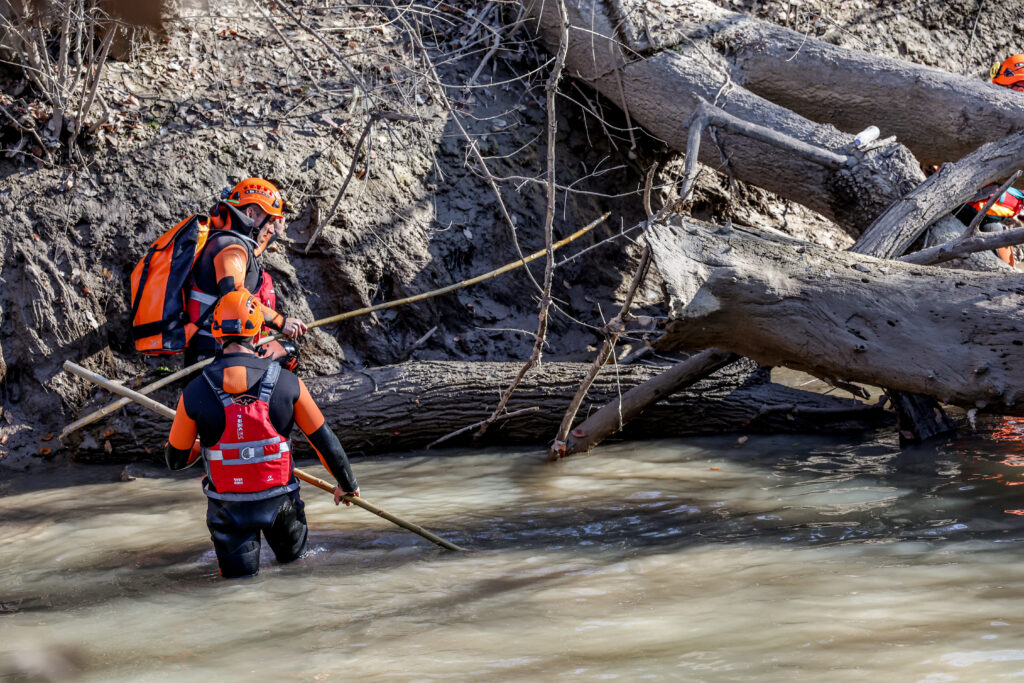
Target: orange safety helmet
{"points": [[237, 314], [1010, 71], [260, 192]]}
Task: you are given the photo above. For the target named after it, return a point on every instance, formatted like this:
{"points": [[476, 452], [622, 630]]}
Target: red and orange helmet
{"points": [[260, 192], [237, 314], [1009, 72]]}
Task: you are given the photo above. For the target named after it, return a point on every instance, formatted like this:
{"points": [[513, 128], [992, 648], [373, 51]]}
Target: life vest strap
{"points": [[269, 381], [255, 495], [249, 453]]}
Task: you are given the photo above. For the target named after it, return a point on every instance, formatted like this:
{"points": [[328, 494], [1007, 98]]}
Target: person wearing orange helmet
{"points": [[247, 219], [1009, 74], [242, 408]]}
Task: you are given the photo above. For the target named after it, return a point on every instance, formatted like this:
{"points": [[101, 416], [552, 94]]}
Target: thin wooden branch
{"points": [[551, 93], [121, 402], [463, 430], [283, 5], [709, 115], [313, 80], [975, 225], [374, 117], [611, 416], [27, 129], [965, 245], [613, 330], [86, 104]]}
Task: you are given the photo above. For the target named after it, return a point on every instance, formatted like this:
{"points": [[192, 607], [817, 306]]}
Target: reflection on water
{"points": [[702, 559]]}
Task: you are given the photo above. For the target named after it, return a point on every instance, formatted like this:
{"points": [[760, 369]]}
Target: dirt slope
{"points": [[224, 97]]}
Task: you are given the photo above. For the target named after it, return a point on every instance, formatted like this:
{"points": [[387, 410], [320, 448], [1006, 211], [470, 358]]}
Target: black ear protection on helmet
{"points": [[225, 196]]}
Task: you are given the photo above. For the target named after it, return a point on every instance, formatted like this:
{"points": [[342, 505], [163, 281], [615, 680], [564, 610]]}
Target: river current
{"points": [[716, 559]]}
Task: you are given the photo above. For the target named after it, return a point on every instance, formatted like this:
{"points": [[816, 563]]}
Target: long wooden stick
{"points": [[121, 402], [163, 410], [380, 512], [459, 285], [106, 410]]}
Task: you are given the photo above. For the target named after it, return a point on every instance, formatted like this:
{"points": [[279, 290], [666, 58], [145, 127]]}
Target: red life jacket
{"points": [[252, 460], [200, 303]]}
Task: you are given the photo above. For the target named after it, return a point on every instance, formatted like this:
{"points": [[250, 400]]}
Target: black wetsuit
{"points": [[235, 525]]}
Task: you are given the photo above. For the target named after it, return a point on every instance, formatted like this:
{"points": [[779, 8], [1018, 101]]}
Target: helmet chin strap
{"points": [[260, 248], [267, 241]]}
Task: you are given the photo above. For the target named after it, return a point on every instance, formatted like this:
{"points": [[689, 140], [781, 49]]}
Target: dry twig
{"points": [[551, 92], [374, 117]]}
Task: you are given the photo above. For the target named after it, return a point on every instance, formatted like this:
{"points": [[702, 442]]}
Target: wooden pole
{"points": [[106, 410], [367, 505], [459, 285], [163, 410], [121, 402]]}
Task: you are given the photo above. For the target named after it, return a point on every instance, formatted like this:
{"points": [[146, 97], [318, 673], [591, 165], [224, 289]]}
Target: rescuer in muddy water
{"points": [[242, 407], [244, 224]]}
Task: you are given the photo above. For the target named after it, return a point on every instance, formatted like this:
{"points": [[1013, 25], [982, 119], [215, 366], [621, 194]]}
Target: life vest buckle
{"points": [[247, 453]]}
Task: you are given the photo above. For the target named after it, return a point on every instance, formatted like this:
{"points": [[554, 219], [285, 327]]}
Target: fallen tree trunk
{"points": [[949, 334], [787, 81], [661, 91], [938, 115], [405, 407]]}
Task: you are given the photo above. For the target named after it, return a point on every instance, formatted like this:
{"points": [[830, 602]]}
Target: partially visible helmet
{"points": [[237, 314], [1010, 71], [260, 192]]}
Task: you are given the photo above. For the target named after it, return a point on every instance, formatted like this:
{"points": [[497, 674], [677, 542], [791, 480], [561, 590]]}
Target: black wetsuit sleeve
{"points": [[312, 423], [333, 457]]}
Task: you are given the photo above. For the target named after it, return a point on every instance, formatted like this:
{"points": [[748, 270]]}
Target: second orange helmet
{"points": [[1010, 71], [237, 314]]}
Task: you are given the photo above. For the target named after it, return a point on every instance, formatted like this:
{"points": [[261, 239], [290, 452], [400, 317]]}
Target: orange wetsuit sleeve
{"points": [[307, 413], [230, 265], [180, 451], [272, 317], [311, 421]]}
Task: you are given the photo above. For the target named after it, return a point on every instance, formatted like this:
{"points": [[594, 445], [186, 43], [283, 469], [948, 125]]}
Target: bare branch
{"points": [[551, 91]]}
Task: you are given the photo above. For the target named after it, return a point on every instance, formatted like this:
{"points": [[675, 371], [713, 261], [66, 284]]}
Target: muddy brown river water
{"points": [[777, 559]]}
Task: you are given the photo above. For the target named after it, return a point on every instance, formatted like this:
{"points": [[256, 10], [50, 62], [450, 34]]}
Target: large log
{"points": [[950, 334], [662, 90], [405, 407]]}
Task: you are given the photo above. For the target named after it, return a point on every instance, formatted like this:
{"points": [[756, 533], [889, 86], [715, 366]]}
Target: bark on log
{"points": [[405, 407], [949, 334], [938, 115], [660, 93]]}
